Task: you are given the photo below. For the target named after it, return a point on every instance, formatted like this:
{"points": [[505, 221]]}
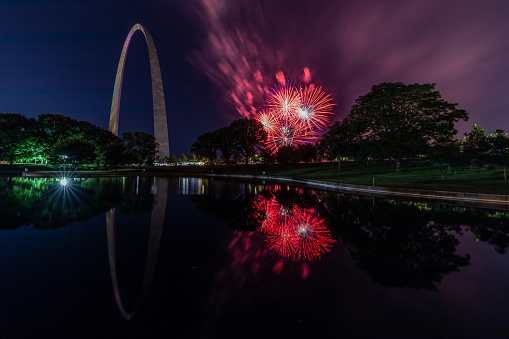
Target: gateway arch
{"points": [[160, 124]]}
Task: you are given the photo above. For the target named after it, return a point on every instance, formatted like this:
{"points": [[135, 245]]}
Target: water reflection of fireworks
{"points": [[293, 232]]}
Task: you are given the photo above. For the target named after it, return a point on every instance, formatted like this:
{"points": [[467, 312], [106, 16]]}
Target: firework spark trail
{"points": [[284, 101], [234, 57], [414, 41], [314, 109], [267, 119], [294, 115]]}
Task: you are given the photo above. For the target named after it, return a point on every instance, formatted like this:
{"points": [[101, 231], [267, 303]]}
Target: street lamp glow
{"points": [[63, 182]]}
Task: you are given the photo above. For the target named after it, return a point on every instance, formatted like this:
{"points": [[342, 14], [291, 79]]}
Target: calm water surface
{"points": [[205, 258]]}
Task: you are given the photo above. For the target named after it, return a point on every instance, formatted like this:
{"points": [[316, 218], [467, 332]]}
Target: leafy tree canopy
{"points": [[205, 146], [74, 151], [226, 143], [339, 141], [13, 132], [140, 147], [287, 154], [249, 135], [306, 152], [403, 119]]}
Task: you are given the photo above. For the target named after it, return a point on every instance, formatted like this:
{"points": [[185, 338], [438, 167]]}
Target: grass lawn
{"points": [[416, 174]]}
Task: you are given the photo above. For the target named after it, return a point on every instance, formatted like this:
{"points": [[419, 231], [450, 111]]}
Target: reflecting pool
{"points": [[154, 257]]}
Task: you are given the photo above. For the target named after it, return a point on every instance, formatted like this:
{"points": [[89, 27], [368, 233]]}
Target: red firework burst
{"points": [[314, 237], [267, 119], [294, 233], [283, 239], [284, 101], [269, 213], [294, 115], [314, 110], [302, 236]]}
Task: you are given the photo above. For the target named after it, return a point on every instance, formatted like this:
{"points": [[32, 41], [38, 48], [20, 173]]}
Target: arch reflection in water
{"points": [[160, 190]]}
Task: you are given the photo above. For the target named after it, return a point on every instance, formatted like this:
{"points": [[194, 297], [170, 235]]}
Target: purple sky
{"points": [[57, 57]]}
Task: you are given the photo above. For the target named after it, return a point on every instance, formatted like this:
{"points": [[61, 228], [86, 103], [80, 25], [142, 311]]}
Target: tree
{"points": [[306, 152], [444, 155], [205, 146], [226, 143], [237, 158], [249, 135], [403, 119], [74, 151], [498, 152], [55, 127], [112, 154], [193, 157], [33, 146], [13, 132], [475, 145], [106, 143], [266, 156], [286, 155], [140, 147], [183, 158], [339, 141]]}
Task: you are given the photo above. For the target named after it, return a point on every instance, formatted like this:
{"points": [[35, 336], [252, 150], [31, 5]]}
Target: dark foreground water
{"points": [[205, 258]]}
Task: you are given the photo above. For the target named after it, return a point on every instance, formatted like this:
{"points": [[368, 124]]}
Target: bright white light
{"points": [[305, 112], [63, 182], [303, 229], [265, 122]]}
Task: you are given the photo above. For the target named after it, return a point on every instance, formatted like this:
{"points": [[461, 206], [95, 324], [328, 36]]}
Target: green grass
{"points": [[416, 174]]}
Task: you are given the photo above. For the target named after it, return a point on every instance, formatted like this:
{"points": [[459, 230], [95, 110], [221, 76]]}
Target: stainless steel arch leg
{"points": [[160, 122]]}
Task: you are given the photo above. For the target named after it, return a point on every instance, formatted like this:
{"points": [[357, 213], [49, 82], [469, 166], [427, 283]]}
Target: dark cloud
{"points": [[61, 56], [349, 46]]}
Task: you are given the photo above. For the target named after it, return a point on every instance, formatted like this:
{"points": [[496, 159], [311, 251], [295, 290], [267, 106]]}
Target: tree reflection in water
{"points": [[398, 243], [292, 231], [47, 204]]}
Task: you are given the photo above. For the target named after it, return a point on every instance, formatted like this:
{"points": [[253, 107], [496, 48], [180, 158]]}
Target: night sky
{"points": [[219, 57]]}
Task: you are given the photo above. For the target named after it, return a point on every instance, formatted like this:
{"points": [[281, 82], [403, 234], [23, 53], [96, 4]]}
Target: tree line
{"points": [[245, 139], [60, 140], [394, 121]]}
